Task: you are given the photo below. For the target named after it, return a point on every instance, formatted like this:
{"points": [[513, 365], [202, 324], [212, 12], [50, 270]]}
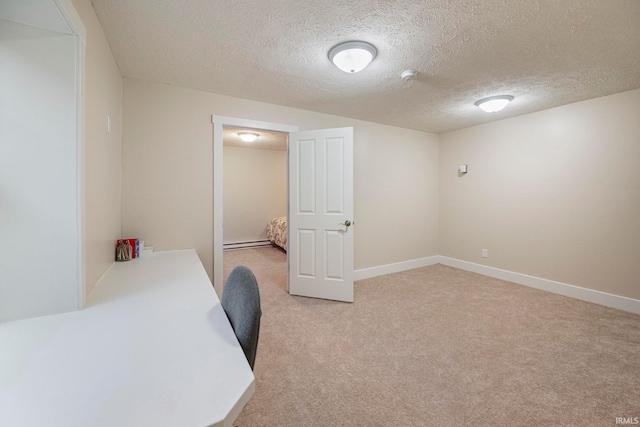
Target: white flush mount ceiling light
{"points": [[494, 103], [352, 57], [248, 136]]}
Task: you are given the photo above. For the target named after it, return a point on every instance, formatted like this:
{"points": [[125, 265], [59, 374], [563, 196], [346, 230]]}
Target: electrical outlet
{"points": [[485, 253]]}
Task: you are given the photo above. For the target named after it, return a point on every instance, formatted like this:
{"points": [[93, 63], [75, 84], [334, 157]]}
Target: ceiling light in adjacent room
{"points": [[352, 57], [248, 136], [494, 103]]}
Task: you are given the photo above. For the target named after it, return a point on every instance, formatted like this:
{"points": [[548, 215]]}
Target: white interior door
{"points": [[320, 242]]}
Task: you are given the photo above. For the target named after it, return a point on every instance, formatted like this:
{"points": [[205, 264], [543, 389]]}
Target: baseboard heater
{"points": [[244, 245]]}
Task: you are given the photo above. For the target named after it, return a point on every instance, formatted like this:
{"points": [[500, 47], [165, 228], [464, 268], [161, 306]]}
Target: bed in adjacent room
{"points": [[277, 231]]}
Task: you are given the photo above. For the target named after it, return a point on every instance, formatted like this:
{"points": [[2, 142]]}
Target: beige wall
{"points": [[167, 173], [102, 150], [553, 194], [255, 191]]}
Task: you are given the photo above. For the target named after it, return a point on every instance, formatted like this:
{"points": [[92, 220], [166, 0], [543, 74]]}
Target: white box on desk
{"points": [[146, 252]]}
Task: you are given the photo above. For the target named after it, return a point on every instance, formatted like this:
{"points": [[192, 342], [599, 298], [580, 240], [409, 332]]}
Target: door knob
{"points": [[347, 223]]}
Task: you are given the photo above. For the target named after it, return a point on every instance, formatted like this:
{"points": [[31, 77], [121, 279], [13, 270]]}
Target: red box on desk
{"points": [[135, 247]]}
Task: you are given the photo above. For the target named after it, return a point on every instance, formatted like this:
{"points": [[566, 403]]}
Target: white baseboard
{"points": [[584, 294], [247, 244], [397, 267]]}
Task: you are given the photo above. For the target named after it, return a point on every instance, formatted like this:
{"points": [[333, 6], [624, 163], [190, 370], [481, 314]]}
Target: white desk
{"points": [[153, 347]]}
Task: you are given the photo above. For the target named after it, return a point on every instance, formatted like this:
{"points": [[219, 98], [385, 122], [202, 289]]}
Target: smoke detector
{"points": [[408, 75]]}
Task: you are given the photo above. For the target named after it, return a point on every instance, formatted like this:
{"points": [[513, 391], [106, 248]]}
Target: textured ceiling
{"points": [[266, 140], [545, 53]]}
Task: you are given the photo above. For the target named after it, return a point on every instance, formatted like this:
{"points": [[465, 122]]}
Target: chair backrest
{"points": [[241, 302]]}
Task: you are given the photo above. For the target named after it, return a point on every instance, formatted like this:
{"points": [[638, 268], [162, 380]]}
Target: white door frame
{"points": [[79, 31], [219, 123]]}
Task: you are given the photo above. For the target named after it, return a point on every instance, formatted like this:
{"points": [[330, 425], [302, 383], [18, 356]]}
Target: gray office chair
{"points": [[241, 302]]}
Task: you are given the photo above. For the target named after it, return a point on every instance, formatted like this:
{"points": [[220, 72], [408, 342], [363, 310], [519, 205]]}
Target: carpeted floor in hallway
{"points": [[437, 346]]}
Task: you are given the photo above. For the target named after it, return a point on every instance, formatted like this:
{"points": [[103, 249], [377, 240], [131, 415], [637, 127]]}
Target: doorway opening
{"points": [[274, 132], [255, 201], [319, 210], [41, 167]]}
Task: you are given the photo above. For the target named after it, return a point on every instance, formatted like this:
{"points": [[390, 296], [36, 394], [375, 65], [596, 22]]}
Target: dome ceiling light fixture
{"points": [[248, 136], [352, 56], [494, 103]]}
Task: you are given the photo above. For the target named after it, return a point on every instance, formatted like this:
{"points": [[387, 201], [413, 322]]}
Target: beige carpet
{"points": [[437, 346]]}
